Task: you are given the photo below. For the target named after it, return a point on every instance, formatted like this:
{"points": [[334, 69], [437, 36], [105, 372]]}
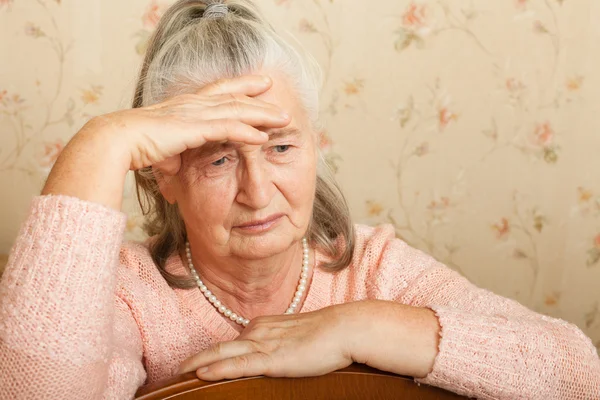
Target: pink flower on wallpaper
{"points": [[552, 299], [5, 3], [539, 27], [150, 19], [502, 228], [51, 151], [306, 26], [422, 149], [594, 252], [33, 30], [587, 202], [152, 15], [331, 158], [544, 134], [445, 116], [414, 16], [514, 85], [597, 241], [584, 195], [414, 28], [325, 142], [521, 4], [574, 83], [443, 105], [440, 204], [134, 223], [374, 208], [91, 95], [354, 87], [14, 101]]}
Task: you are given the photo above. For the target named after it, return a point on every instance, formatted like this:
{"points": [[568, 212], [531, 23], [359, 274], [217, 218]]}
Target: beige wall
{"points": [[472, 126]]}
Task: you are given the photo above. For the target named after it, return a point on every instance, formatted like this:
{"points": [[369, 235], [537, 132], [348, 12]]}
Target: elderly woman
{"points": [[253, 266]]}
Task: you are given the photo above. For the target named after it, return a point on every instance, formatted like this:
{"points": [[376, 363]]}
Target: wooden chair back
{"points": [[356, 382]]}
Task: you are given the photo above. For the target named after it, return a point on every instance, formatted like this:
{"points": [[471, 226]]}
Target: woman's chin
{"points": [[265, 245]]}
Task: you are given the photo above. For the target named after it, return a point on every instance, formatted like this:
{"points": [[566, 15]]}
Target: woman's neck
{"points": [[253, 288]]}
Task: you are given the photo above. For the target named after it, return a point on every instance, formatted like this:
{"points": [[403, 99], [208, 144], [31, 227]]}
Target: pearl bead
{"points": [[238, 318]]}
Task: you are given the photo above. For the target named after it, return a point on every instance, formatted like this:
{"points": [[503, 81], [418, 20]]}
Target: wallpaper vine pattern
{"points": [[470, 126]]}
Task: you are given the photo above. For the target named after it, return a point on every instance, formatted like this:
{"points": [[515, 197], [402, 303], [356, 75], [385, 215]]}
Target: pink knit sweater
{"points": [[84, 316]]}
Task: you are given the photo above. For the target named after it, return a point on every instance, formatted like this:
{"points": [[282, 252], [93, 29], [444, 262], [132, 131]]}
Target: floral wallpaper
{"points": [[471, 126]]}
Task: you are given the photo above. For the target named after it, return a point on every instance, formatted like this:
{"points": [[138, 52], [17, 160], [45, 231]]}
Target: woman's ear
{"points": [[165, 185]]}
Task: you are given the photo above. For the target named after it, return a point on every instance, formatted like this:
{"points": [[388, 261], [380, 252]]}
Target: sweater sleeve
{"points": [[63, 332], [490, 347]]}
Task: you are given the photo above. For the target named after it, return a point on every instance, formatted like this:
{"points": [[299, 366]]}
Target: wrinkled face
{"points": [[251, 201]]}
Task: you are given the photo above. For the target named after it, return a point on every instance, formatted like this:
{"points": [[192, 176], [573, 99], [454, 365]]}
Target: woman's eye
{"points": [[219, 162], [282, 148]]}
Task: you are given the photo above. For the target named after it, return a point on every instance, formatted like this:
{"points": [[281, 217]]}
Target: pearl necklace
{"points": [[238, 318]]}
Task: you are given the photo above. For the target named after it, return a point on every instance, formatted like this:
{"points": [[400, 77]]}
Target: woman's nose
{"points": [[256, 188]]}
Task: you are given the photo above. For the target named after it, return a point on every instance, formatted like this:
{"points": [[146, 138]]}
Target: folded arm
{"points": [[490, 347], [63, 332]]}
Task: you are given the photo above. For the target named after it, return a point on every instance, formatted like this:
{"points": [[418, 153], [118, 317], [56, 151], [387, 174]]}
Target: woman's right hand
{"points": [[94, 163], [222, 111]]}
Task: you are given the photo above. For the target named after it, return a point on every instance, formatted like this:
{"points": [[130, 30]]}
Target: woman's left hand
{"points": [[382, 334], [307, 344]]}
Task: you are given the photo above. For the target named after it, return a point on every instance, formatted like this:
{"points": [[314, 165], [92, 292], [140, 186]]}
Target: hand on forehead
{"points": [[214, 147]]}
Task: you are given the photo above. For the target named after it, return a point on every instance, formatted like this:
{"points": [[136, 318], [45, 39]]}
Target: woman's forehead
{"points": [[282, 94], [211, 148]]}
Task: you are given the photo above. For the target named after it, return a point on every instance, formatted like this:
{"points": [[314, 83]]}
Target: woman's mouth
{"points": [[262, 225]]}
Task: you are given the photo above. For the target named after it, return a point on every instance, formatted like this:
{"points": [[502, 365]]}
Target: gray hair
{"points": [[196, 43]]}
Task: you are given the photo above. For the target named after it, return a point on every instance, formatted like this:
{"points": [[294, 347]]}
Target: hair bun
{"points": [[216, 10]]}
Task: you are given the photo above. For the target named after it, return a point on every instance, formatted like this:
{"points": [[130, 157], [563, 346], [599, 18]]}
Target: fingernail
{"points": [[285, 115], [202, 370], [267, 79]]}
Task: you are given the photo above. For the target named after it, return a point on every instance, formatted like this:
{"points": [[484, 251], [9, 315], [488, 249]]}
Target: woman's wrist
{"points": [[393, 337], [92, 166]]}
